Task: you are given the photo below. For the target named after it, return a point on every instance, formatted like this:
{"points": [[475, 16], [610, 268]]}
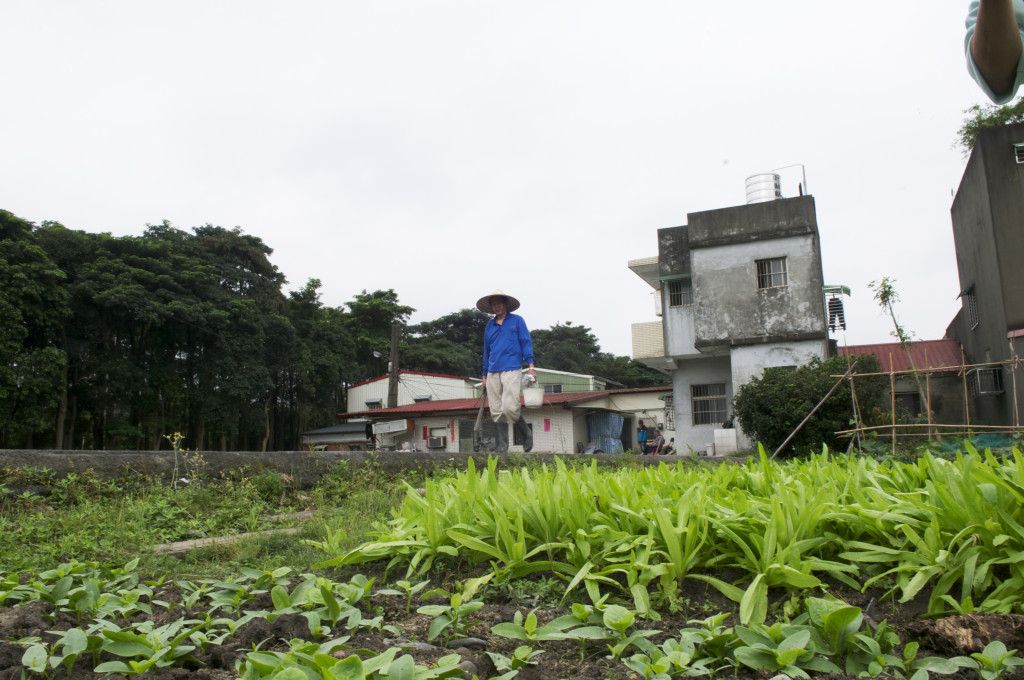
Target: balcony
{"points": [[649, 346]]}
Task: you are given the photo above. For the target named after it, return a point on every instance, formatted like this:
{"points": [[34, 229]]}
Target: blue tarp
{"points": [[605, 432]]}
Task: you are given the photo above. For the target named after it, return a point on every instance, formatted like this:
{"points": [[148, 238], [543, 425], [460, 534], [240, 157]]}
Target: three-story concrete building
{"points": [[738, 290]]}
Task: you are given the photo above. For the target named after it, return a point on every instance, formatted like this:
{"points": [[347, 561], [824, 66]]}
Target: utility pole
{"points": [[393, 367]]}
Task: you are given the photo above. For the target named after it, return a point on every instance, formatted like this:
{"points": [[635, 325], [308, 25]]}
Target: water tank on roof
{"points": [[764, 187]]}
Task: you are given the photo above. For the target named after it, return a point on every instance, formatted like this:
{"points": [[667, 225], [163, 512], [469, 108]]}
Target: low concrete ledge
{"points": [[306, 467]]}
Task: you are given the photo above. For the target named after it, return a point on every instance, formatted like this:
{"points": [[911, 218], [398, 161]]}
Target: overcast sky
{"points": [[444, 149]]}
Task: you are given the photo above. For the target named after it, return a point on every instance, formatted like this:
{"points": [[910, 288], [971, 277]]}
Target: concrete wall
{"points": [[987, 216], [698, 372], [750, 361], [680, 329], [729, 308], [410, 386], [754, 222]]}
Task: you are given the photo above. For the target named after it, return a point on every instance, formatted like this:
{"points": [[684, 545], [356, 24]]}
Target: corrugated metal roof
{"points": [[403, 372], [925, 353], [564, 399], [341, 428]]}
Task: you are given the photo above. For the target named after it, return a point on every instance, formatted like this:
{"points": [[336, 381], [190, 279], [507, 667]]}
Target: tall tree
{"points": [[565, 347], [369, 323], [451, 344], [33, 302]]}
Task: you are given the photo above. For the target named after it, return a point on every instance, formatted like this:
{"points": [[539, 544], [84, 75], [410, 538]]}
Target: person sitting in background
{"points": [[670, 448], [657, 443]]}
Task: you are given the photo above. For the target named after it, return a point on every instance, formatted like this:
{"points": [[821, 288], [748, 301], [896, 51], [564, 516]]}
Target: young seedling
{"points": [[619, 619], [527, 630], [406, 589], [993, 661]]}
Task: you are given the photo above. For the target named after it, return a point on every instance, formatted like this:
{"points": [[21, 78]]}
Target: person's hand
{"points": [[485, 382]]}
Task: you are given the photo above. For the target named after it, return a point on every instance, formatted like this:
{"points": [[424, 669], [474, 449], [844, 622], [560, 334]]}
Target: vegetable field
{"points": [[830, 566]]}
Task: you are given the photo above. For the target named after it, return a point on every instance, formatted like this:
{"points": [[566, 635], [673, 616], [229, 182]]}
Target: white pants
{"points": [[503, 395]]}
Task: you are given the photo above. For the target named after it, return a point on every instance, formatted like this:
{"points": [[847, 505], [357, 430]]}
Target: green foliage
{"points": [[33, 304], [771, 406], [978, 118]]}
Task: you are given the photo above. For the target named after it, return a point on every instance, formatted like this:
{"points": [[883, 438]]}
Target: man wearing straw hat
{"points": [[507, 346]]}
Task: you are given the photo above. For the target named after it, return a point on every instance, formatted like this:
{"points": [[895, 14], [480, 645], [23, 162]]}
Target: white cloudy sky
{"points": [[447, 148]]}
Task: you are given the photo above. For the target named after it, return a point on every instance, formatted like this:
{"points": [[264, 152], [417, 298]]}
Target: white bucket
{"points": [[533, 396]]}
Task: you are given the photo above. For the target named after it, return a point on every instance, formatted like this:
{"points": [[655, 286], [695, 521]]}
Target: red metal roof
{"points": [[925, 353], [564, 399]]}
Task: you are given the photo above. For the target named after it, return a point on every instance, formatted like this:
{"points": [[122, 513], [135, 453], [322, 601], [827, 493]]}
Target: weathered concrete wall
{"points": [[989, 242], [754, 222], [712, 370], [732, 311], [673, 251]]}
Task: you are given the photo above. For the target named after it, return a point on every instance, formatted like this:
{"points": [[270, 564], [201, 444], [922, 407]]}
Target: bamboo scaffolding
{"points": [[931, 428]]}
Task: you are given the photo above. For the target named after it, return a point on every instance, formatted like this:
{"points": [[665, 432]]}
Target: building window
{"points": [[911, 401], [708, 404], [985, 381], [670, 413], [553, 389], [680, 293], [372, 404], [970, 305], [1018, 153], [771, 273]]}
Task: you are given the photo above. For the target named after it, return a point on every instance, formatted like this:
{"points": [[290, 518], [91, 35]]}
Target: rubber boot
{"points": [[525, 433], [501, 437]]}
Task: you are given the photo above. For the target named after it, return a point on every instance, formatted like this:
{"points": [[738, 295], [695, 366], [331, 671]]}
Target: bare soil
{"points": [[959, 635]]}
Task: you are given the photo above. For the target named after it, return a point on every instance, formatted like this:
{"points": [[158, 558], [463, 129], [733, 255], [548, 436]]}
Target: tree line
{"points": [[116, 342]]}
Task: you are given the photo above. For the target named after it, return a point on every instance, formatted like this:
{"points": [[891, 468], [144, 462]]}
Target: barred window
{"points": [[708, 404], [771, 273], [670, 413], [970, 304], [680, 293], [556, 388]]}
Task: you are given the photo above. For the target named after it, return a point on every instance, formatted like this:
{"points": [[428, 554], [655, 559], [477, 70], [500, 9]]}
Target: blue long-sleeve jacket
{"points": [[507, 345]]}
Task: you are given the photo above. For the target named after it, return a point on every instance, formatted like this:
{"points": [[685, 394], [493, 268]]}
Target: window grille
{"points": [[771, 273], [985, 381], [708, 404], [680, 293], [373, 404], [1018, 153], [970, 304], [670, 413], [553, 389]]}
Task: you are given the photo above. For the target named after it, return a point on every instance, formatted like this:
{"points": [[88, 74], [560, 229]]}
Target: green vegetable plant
{"points": [[994, 661], [450, 620], [910, 667], [526, 628], [509, 666], [406, 589], [155, 647], [785, 648], [618, 619]]}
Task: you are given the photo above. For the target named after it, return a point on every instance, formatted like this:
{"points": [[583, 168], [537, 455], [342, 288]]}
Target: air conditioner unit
{"points": [[437, 442]]}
